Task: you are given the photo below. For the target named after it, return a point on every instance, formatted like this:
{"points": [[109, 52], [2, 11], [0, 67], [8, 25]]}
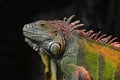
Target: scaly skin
{"points": [[74, 54]]}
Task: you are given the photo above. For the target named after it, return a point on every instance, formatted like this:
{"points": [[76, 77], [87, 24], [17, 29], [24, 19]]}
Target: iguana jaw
{"points": [[51, 48], [33, 45]]}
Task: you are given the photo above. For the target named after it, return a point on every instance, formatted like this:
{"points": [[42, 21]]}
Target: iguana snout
{"points": [[37, 31]]}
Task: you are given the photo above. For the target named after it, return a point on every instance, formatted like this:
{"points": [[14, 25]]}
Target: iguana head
{"points": [[43, 35], [50, 36]]}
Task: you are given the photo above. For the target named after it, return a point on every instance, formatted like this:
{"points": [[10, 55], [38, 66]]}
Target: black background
{"points": [[17, 60]]}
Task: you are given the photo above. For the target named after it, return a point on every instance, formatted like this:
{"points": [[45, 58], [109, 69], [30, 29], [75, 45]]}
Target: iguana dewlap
{"points": [[71, 53]]}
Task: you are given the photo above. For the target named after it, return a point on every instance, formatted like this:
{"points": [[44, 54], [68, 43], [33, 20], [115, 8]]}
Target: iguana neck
{"points": [[72, 48]]}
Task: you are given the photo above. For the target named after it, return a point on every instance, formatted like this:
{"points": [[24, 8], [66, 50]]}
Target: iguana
{"points": [[74, 53]]}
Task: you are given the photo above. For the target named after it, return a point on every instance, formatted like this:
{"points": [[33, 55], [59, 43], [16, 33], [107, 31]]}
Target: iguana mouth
{"points": [[37, 37], [36, 47], [51, 48], [26, 33], [32, 43]]}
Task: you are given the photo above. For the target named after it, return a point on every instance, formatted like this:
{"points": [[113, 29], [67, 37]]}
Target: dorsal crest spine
{"points": [[91, 35]]}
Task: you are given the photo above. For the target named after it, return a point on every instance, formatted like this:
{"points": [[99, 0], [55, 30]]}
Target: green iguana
{"points": [[74, 53]]}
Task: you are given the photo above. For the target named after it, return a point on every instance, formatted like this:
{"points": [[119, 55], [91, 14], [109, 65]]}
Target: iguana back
{"points": [[98, 54]]}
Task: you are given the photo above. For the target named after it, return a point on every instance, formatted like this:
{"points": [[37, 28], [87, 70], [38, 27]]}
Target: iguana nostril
{"points": [[25, 27]]}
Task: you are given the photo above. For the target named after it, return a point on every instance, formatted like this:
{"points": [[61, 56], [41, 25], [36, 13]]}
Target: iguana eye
{"points": [[42, 25], [55, 33], [54, 47]]}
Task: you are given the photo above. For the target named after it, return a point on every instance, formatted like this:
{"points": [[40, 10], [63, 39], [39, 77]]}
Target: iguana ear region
{"points": [[54, 47]]}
